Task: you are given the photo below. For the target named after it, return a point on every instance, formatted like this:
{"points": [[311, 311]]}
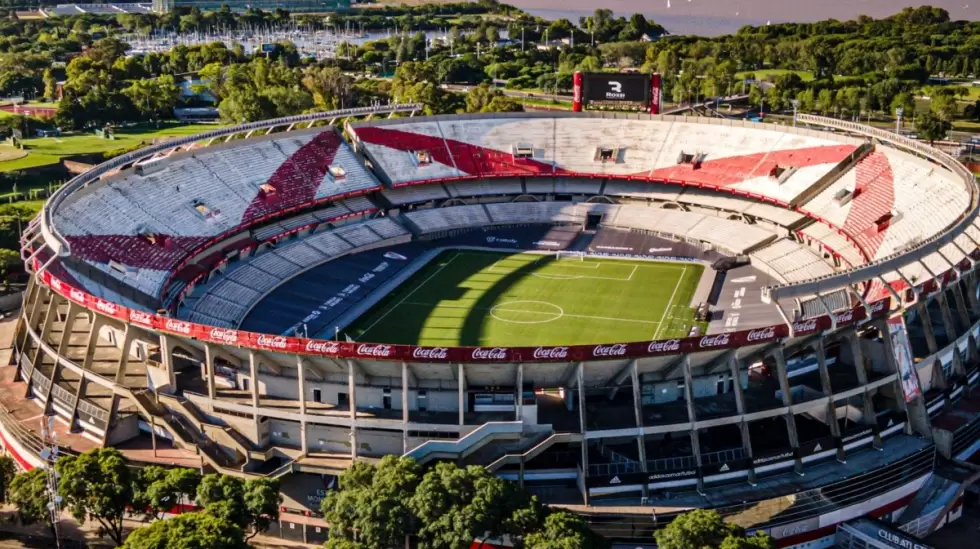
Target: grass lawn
{"points": [[768, 74], [50, 150], [506, 299]]}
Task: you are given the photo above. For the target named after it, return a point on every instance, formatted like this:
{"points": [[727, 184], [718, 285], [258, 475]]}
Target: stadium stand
{"points": [[415, 194], [792, 261], [442, 219]]}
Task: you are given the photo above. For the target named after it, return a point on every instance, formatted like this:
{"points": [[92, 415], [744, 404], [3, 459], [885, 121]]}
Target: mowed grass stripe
{"points": [[483, 298]]}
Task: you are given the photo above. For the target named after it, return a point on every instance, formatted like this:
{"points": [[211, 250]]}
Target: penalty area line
{"points": [[667, 309]]}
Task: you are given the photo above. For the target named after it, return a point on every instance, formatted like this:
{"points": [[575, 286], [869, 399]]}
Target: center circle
{"points": [[527, 312]]}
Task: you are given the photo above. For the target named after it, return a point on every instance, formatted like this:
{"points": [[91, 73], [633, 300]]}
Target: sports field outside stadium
{"points": [[509, 299]]}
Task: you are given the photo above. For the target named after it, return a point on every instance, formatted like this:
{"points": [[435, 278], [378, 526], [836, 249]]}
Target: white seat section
{"points": [[395, 152], [638, 144], [300, 254], [780, 216], [251, 277], [328, 243], [830, 238], [357, 234], [499, 136], [715, 200], [274, 265], [440, 219], [542, 185], [386, 228], [358, 204], [792, 261], [356, 176], [577, 185], [415, 193]]}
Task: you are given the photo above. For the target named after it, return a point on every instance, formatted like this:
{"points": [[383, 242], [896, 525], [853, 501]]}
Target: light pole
{"points": [[796, 107], [898, 119]]}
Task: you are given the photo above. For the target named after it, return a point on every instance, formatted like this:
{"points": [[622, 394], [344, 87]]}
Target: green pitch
{"points": [[502, 299]]}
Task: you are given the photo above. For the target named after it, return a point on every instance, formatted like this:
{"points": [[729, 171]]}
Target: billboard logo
{"points": [[224, 336], [762, 334], [322, 347], [666, 346], [394, 255], [140, 317], [616, 90], [496, 353], [375, 350], [619, 349], [106, 307], [77, 295], [178, 326], [277, 342], [552, 353], [713, 341], [805, 327], [432, 353]]}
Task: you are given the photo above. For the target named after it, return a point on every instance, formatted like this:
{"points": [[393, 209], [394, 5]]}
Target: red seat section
{"points": [[467, 158], [735, 169], [874, 201], [133, 250], [297, 179]]}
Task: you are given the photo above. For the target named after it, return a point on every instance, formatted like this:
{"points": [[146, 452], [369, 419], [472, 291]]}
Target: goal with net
{"points": [[569, 256]]}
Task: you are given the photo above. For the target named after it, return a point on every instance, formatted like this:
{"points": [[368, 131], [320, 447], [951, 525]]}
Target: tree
{"points": [[188, 531], [50, 85], [931, 127], [944, 105], [373, 500], [97, 485], [564, 530], [253, 504], [154, 97], [705, 529], [29, 494], [454, 506], [262, 501]]}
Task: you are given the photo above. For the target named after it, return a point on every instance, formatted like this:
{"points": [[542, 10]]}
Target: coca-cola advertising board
{"points": [[412, 353]]}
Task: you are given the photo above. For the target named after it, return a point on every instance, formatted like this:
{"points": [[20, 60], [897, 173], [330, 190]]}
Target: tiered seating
{"points": [[387, 228], [639, 189], [415, 193], [730, 235], [792, 261], [567, 185], [835, 241], [442, 219], [137, 228], [780, 216], [358, 235], [534, 212]]}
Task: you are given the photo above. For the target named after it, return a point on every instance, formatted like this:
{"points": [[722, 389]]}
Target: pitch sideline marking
{"points": [[420, 304], [410, 294], [669, 303]]}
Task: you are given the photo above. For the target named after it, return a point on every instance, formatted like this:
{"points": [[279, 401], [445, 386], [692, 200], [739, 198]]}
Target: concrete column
{"points": [[692, 416], [959, 369], [743, 426], [580, 387], [73, 311], [30, 299], [404, 407], [304, 442], [918, 416], [253, 372], [93, 341], [868, 407], [209, 366], [794, 438], [828, 390], [641, 447], [461, 377], [961, 309], [167, 359], [519, 403], [352, 387], [129, 336], [970, 283], [926, 319], [947, 314]]}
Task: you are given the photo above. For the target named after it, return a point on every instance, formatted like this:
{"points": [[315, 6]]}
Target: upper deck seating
{"points": [[137, 228], [792, 261], [415, 193], [441, 219], [487, 187]]}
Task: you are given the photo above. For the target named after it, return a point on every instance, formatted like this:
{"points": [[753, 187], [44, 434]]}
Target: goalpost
{"points": [[562, 255]]}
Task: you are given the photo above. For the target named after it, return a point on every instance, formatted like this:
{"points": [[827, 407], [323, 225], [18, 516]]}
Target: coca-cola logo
{"points": [[845, 317], [77, 295], [666, 346], [761, 334], [56, 285], [877, 307], [550, 353], [806, 326], [272, 342], [224, 336], [106, 307], [322, 347], [714, 341], [430, 353], [617, 349], [140, 317], [375, 350], [495, 353], [178, 326]]}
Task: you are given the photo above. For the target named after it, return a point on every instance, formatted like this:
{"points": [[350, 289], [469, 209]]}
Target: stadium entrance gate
{"points": [[868, 533]]}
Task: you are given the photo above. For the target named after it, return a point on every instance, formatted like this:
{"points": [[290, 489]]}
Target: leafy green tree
{"points": [[373, 501], [97, 485], [705, 529], [931, 127], [9, 261], [253, 504], [944, 105], [564, 530], [29, 494], [454, 506], [189, 531], [50, 85], [154, 97]]}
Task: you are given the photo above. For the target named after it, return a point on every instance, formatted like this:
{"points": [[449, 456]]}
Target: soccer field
{"points": [[501, 299]]}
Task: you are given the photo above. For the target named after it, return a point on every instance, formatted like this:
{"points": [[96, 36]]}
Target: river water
{"points": [[715, 17]]}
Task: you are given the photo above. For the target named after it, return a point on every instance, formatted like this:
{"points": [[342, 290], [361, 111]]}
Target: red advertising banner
{"points": [[412, 353]]}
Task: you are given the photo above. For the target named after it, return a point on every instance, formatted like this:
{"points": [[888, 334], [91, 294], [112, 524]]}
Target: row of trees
{"points": [[101, 486]]}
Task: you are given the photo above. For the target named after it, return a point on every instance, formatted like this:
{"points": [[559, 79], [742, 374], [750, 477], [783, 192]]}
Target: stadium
{"points": [[632, 315]]}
